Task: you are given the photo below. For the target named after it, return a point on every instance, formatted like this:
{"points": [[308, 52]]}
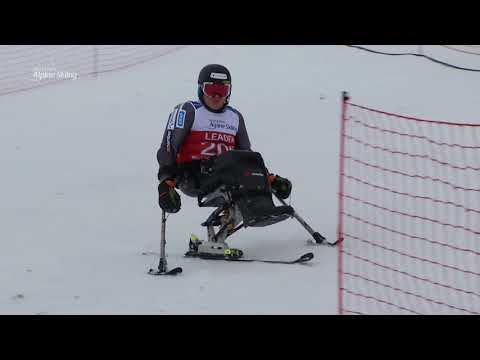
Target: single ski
{"points": [[300, 260]]}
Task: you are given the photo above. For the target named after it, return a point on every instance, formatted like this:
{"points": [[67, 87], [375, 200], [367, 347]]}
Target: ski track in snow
{"points": [[79, 181]]}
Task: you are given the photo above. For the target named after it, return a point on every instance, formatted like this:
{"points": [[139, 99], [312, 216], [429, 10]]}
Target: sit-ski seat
{"points": [[240, 177]]}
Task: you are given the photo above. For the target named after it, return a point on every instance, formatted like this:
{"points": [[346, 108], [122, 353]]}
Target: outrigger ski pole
{"points": [[162, 265], [319, 238]]}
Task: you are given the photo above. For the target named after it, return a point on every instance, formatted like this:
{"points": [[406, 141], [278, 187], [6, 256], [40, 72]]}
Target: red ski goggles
{"points": [[211, 89]]}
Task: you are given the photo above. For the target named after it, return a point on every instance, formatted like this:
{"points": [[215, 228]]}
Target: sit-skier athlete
{"points": [[197, 132]]}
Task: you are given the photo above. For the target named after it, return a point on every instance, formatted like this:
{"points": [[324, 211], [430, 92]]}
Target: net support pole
{"points": [[341, 169]]}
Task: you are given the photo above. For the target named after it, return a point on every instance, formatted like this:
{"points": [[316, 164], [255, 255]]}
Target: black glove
{"points": [[168, 198], [281, 186]]}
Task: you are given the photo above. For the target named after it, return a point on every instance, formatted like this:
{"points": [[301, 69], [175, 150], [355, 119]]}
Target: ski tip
{"points": [[153, 272], [175, 271], [306, 257]]}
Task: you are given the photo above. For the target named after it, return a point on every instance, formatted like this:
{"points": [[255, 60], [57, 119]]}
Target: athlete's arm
{"points": [[179, 123]]}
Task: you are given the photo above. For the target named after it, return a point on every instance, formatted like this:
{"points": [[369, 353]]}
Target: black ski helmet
{"points": [[217, 74]]}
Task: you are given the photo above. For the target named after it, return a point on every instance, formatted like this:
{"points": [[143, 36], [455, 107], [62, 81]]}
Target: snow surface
{"points": [[78, 173]]}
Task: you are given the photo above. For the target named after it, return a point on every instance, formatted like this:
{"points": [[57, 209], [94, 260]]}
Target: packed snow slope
{"points": [[79, 199]]}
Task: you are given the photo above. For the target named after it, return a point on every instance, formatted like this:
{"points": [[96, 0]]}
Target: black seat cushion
{"points": [[258, 211]]}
